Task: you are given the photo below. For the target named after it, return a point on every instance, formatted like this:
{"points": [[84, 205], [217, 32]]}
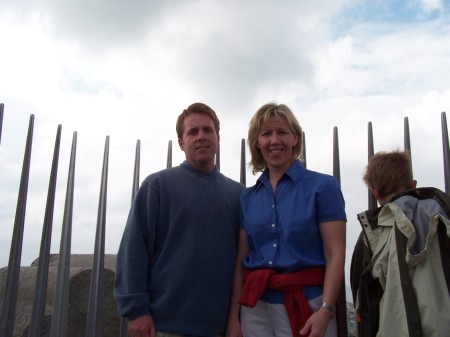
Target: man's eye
{"points": [[192, 132]]}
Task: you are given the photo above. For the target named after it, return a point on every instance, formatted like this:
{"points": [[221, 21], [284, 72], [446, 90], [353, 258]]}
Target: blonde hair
{"points": [[258, 120]]}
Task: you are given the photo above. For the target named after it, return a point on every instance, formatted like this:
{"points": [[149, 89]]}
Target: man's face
{"points": [[199, 141]]}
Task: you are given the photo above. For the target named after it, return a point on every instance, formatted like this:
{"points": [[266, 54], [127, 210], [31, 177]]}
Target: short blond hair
{"points": [[258, 120]]}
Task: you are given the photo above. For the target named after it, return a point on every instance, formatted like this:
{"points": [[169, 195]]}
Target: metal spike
{"points": [[243, 171], [303, 151], [218, 157], [38, 312], [7, 317], [407, 142], [446, 152], [95, 306], [372, 201], [2, 107], [169, 155], [60, 313]]}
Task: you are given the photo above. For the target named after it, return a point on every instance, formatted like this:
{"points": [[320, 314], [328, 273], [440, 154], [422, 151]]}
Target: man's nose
{"points": [[201, 135]]}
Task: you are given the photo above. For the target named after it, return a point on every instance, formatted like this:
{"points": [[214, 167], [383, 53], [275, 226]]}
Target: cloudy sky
{"points": [[126, 70]]}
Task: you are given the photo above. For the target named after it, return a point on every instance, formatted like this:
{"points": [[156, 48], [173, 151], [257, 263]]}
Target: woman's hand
{"points": [[317, 324]]}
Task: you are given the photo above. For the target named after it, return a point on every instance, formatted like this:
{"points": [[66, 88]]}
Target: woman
{"points": [[291, 252]]}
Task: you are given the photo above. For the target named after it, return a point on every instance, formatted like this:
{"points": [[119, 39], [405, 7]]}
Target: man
{"points": [[400, 275], [176, 259]]}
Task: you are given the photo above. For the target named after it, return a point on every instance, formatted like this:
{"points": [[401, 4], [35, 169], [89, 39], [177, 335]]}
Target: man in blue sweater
{"points": [[176, 259]]}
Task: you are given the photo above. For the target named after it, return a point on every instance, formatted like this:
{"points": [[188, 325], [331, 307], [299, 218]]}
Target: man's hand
{"points": [[233, 328], [143, 326]]}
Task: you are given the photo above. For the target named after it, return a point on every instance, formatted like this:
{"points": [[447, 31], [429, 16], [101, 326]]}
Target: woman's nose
{"points": [[274, 138]]}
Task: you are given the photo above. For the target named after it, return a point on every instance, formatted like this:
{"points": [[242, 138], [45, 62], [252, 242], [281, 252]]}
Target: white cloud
{"points": [[429, 6], [127, 71]]}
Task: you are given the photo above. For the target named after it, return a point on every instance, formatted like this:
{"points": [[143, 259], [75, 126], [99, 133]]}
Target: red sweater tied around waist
{"points": [[257, 281]]}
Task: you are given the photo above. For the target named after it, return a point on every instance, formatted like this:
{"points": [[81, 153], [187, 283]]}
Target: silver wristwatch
{"points": [[328, 307]]}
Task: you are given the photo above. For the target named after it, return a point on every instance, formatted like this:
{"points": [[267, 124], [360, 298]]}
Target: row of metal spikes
{"points": [[59, 321]]}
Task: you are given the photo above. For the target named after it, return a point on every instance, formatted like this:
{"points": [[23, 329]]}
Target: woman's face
{"points": [[275, 141]]}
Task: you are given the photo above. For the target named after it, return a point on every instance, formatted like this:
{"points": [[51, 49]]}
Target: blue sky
{"points": [[107, 68], [392, 12]]}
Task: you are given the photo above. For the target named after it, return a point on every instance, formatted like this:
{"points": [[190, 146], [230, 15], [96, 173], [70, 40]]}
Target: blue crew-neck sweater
{"points": [[177, 255]]}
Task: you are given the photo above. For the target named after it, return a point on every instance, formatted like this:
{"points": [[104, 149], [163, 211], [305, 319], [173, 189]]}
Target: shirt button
{"points": [[273, 225], [273, 205], [270, 262], [274, 244]]}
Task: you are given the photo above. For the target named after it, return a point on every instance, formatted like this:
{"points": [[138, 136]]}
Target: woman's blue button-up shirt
{"points": [[282, 227]]}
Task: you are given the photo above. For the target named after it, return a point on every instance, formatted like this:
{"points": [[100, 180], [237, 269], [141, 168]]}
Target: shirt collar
{"points": [[188, 166], [292, 173]]}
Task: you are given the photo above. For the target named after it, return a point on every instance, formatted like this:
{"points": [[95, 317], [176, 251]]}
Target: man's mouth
{"points": [[202, 147]]}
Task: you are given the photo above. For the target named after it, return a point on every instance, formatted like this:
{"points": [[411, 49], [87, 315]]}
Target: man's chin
{"points": [[204, 162]]}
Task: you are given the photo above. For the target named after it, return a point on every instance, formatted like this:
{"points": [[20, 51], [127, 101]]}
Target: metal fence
{"points": [[57, 324]]}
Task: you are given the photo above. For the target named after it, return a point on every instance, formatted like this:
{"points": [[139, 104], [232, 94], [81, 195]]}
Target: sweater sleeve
{"points": [[135, 254]]}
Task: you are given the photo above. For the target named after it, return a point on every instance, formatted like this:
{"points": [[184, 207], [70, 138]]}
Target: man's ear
{"points": [[180, 143], [414, 184]]}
